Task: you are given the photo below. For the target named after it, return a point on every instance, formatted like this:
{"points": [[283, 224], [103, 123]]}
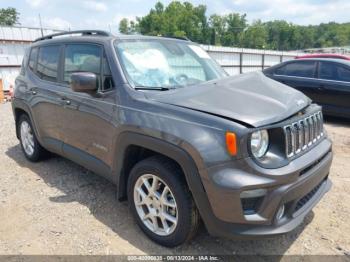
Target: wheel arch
{"points": [[132, 144], [19, 108]]}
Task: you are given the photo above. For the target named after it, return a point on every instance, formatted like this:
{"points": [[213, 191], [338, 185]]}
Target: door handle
{"points": [[65, 99], [33, 91], [321, 87]]}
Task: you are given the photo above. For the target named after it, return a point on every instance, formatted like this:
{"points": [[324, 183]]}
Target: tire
{"points": [[167, 174], [37, 152]]}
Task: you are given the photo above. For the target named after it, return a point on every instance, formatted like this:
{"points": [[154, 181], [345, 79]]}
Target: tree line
{"points": [[182, 19]]}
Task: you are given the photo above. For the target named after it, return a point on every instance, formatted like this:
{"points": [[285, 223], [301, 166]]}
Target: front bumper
{"points": [[298, 186]]}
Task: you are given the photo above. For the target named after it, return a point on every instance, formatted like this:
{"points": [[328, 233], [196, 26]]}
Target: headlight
{"points": [[259, 143]]}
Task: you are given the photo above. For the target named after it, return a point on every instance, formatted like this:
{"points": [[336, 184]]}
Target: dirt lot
{"points": [[57, 207]]}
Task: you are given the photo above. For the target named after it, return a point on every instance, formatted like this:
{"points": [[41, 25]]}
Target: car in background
{"points": [[325, 81], [333, 56]]}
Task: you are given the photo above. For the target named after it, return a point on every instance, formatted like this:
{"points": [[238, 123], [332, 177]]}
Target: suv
{"points": [[182, 141]]}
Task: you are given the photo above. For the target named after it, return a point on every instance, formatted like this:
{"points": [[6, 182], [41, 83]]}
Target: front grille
{"points": [[307, 197], [302, 134]]}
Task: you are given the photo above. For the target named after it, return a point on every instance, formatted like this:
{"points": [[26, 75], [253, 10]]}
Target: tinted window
{"points": [[48, 63], [332, 71], [82, 58], [343, 74], [32, 58], [301, 69], [280, 70]]}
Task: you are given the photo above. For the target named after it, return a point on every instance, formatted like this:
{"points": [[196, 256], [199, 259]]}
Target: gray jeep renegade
{"points": [[182, 141]]}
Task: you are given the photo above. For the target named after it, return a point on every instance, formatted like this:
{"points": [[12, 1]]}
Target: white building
{"points": [[13, 42]]}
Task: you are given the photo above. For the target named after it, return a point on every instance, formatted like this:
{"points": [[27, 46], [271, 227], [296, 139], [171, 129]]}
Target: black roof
{"points": [[96, 35]]}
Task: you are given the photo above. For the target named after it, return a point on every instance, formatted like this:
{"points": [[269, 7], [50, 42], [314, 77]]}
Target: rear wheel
{"points": [[31, 148], [161, 202]]}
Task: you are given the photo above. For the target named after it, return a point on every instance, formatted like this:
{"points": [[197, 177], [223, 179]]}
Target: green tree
{"points": [[255, 36], [235, 26], [124, 26], [183, 19], [218, 27], [128, 27], [9, 16]]}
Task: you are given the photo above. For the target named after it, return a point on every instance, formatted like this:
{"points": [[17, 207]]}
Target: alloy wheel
{"points": [[155, 204], [27, 138]]}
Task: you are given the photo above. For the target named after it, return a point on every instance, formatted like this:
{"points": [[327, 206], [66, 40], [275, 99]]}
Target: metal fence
{"points": [[242, 60]]}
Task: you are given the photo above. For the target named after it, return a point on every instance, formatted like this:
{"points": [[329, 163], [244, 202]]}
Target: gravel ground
{"points": [[58, 207]]}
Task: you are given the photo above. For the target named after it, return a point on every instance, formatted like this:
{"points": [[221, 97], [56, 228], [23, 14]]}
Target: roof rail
{"points": [[82, 32], [177, 37]]}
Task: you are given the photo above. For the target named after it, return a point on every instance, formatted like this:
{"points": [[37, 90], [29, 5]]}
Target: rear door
{"points": [[85, 118], [300, 75], [42, 93], [334, 79]]}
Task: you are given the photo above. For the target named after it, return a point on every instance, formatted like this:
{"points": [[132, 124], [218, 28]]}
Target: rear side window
{"points": [[48, 60], [82, 58], [332, 71], [32, 58], [343, 74], [300, 69]]}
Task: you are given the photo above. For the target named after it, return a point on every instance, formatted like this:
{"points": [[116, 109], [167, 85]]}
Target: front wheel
{"points": [[161, 202]]}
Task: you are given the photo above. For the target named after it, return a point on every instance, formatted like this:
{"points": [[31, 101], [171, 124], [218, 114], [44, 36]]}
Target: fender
{"points": [[172, 151], [20, 104]]}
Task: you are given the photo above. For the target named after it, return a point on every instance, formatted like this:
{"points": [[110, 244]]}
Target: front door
{"points": [[87, 131]]}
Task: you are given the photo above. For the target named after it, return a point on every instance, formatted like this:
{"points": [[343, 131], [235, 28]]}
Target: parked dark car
{"points": [[182, 141], [325, 81]]}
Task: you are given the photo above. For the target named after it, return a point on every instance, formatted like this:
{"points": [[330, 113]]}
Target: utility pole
{"points": [[41, 26]]}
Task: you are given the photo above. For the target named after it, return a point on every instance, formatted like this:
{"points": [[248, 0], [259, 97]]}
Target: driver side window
{"points": [[82, 58]]}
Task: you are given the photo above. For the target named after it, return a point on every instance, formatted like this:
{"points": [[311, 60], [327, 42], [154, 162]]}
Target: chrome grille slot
{"points": [[302, 134]]}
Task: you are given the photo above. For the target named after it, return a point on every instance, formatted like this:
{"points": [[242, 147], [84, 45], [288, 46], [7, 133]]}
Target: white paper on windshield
{"points": [[199, 51]]}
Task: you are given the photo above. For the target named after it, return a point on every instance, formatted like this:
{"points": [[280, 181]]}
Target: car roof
{"points": [[69, 38], [334, 60], [325, 55]]}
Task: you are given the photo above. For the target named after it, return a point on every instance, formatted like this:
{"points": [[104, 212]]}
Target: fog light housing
{"points": [[280, 212], [251, 200]]}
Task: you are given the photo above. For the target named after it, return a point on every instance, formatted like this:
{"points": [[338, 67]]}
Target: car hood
{"points": [[249, 98]]}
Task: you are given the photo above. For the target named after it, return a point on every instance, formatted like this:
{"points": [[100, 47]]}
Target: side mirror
{"points": [[83, 82]]}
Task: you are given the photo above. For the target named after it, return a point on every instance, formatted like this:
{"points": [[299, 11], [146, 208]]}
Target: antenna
{"points": [[41, 26]]}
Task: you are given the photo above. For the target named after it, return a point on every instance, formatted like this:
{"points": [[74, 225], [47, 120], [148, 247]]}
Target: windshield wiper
{"points": [[158, 88]]}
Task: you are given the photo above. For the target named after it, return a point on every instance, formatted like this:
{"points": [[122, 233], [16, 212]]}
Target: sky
{"points": [[106, 14]]}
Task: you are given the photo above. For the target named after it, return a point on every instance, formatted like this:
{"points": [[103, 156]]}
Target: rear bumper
{"points": [[298, 186]]}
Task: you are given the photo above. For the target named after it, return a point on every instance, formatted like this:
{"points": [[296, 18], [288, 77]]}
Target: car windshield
{"points": [[166, 64]]}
